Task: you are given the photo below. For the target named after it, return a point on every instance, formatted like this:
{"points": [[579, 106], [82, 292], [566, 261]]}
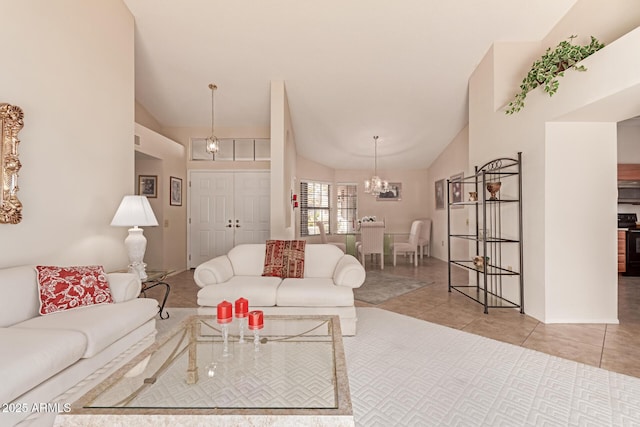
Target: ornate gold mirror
{"points": [[10, 123]]}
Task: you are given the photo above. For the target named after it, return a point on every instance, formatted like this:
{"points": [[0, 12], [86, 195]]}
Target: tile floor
{"points": [[612, 347]]}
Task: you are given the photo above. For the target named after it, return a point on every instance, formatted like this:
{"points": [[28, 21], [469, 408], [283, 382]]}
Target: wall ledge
{"points": [[609, 71]]}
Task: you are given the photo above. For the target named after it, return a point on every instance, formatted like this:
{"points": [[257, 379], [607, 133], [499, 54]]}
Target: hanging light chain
{"points": [[375, 164], [212, 143], [213, 106]]}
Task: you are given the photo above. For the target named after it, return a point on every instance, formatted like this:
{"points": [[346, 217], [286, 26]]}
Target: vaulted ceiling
{"points": [[352, 68]]}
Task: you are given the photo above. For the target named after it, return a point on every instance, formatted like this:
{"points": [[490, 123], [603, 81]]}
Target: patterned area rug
{"points": [[379, 287], [408, 372]]}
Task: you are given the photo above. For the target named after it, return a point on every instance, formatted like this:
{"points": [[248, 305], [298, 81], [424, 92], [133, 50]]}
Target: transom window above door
{"points": [[233, 150]]}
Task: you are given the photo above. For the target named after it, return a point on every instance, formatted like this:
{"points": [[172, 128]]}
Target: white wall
{"points": [[167, 243], [310, 170], [581, 268], [607, 92], [289, 182], [453, 160], [69, 64], [144, 118], [629, 141], [283, 168]]}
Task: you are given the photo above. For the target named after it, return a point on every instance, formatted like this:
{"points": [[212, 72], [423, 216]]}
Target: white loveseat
{"points": [[43, 358], [326, 288]]}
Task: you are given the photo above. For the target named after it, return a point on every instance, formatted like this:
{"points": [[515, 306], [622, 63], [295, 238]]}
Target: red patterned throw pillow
{"points": [[284, 258], [65, 288]]}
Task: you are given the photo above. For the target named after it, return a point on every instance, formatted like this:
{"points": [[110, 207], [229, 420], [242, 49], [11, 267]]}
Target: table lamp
{"points": [[135, 211]]}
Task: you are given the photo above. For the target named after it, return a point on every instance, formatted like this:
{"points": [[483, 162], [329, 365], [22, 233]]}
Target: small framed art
{"points": [[148, 186], [456, 189], [439, 192], [394, 192], [175, 191]]}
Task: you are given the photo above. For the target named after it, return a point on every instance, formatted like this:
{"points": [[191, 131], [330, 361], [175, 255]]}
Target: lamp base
{"points": [[139, 269], [136, 245]]}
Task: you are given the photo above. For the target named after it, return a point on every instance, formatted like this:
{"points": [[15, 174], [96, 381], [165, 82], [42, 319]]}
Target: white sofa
{"points": [[42, 358], [326, 288]]}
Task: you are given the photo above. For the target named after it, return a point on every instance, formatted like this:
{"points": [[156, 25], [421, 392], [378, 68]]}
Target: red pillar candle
{"points": [[225, 312], [242, 307], [256, 319]]}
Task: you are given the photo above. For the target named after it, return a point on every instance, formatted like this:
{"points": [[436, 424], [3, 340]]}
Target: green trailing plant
{"points": [[546, 70]]}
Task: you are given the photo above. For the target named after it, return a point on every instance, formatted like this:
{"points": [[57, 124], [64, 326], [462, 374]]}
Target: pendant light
{"points": [[212, 144], [376, 185]]}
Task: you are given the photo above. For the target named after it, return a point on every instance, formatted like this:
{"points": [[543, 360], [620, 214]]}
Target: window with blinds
{"points": [[314, 207], [347, 207]]}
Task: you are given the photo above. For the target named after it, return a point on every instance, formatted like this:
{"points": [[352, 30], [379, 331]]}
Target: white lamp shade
{"points": [[134, 211]]}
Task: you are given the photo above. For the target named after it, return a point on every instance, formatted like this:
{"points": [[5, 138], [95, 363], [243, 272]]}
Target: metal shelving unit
{"points": [[494, 279]]}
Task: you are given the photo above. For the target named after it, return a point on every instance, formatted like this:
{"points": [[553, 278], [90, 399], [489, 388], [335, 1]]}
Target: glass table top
{"points": [[296, 364]]}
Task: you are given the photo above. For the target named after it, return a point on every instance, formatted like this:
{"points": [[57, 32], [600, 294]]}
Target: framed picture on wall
{"points": [[439, 192], [394, 193], [456, 189], [175, 191], [148, 186]]}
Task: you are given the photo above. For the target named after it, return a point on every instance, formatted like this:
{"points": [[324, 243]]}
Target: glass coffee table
{"points": [[295, 373]]}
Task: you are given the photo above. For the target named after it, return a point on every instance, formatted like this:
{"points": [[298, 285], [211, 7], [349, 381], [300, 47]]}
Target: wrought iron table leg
{"points": [[164, 300]]}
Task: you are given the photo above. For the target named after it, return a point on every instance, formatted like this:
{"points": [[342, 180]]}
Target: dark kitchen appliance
{"points": [[628, 221], [629, 192], [633, 252]]}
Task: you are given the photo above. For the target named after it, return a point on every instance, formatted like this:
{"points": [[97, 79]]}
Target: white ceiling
{"points": [[352, 68]]}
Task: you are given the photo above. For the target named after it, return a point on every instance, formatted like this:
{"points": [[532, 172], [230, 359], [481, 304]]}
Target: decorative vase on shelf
{"points": [[480, 261], [493, 188]]}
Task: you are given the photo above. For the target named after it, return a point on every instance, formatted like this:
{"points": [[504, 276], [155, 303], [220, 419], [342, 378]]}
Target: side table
{"points": [[156, 278]]}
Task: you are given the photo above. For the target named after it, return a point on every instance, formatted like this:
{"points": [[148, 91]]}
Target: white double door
{"points": [[226, 209]]}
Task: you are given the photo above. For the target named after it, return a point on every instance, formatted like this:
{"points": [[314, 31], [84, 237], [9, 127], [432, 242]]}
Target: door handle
{"points": [[229, 225], [237, 225]]}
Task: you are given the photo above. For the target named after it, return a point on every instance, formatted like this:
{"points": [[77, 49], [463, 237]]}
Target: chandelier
{"points": [[212, 144], [376, 185]]}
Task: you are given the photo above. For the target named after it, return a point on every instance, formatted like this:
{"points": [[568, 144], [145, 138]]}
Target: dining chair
{"points": [[371, 241], [411, 246], [323, 237], [425, 237]]}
